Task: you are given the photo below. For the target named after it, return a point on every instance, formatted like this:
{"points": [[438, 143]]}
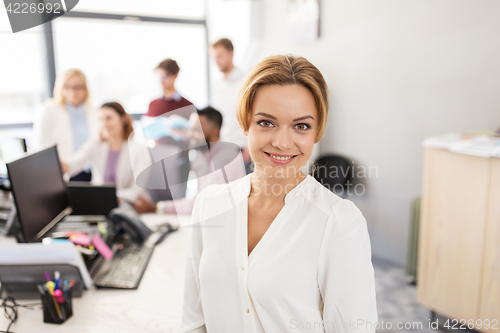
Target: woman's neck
{"points": [[115, 144], [74, 105], [272, 190]]}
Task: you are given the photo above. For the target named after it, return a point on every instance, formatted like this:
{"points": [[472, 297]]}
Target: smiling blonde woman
{"points": [[67, 120], [275, 251]]}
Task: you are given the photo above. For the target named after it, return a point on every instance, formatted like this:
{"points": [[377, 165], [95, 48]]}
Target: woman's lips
{"points": [[280, 158]]}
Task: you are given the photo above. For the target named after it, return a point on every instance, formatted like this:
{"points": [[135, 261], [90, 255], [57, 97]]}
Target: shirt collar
{"points": [[73, 108], [242, 190], [176, 97], [234, 75]]}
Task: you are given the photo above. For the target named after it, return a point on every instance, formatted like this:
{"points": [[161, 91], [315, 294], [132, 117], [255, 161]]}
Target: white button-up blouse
{"points": [[310, 272]]}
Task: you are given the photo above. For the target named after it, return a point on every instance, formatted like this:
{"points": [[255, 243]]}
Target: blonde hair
{"points": [[284, 70], [61, 81]]}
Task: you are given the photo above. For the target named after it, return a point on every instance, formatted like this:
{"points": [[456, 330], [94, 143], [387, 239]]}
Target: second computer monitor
{"points": [[10, 149], [39, 192]]}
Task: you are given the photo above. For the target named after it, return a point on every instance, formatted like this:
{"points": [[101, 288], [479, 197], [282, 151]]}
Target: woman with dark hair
{"points": [[114, 156]]}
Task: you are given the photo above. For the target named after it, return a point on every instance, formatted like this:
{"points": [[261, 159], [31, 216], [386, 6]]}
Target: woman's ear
{"points": [[316, 140]]}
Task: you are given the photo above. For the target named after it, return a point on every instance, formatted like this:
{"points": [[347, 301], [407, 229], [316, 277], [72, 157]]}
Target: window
{"points": [[22, 68], [189, 9], [119, 56]]}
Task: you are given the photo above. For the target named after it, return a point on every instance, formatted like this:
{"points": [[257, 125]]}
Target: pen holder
{"points": [[50, 312]]}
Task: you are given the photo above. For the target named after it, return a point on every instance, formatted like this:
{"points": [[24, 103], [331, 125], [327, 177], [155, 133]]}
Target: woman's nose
{"points": [[282, 139]]}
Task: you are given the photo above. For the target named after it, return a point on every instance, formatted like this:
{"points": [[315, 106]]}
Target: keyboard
{"points": [[125, 269]]}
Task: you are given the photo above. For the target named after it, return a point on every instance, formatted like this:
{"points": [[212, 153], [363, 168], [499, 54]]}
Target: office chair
{"points": [[335, 172]]}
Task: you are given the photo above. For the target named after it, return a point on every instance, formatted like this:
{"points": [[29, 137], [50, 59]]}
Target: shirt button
{"points": [[248, 310], [243, 268]]}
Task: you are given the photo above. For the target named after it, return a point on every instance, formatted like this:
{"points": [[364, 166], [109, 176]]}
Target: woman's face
{"points": [[111, 123], [282, 129], [74, 92]]}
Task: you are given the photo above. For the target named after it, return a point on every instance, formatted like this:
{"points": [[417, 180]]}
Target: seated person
{"points": [[211, 155], [113, 157]]}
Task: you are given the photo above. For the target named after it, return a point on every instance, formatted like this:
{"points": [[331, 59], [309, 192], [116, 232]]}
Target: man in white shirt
{"points": [[225, 96]]}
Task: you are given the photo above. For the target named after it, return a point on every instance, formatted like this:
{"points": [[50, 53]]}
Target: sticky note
{"points": [[102, 228], [80, 239], [101, 247]]}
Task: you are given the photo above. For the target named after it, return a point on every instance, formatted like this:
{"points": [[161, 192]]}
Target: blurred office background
{"points": [[398, 72]]}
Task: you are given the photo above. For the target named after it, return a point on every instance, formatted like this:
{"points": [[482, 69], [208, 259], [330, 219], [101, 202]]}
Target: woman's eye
{"points": [[265, 123], [302, 127]]}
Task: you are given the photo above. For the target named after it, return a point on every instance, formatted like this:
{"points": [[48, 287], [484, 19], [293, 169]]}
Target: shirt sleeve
{"points": [[81, 158], [192, 312], [179, 206], [346, 276], [43, 129], [140, 163]]}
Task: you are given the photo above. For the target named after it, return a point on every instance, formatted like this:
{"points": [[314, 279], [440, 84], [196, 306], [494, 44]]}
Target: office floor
{"points": [[397, 301]]}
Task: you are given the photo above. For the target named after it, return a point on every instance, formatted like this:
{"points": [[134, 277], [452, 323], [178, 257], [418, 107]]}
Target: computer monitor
{"points": [[10, 149], [39, 192], [88, 199]]}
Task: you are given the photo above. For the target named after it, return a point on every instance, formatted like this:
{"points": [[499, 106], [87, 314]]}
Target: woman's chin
{"points": [[278, 171]]}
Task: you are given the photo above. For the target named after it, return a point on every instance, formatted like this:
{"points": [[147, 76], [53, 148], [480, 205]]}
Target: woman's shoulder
{"points": [[318, 195], [341, 212], [50, 106], [218, 195], [236, 187], [344, 217], [218, 199]]}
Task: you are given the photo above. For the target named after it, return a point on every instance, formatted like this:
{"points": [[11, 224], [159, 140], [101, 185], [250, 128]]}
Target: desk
{"points": [[154, 307]]}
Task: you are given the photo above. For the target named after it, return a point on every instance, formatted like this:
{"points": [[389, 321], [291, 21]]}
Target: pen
{"points": [[50, 285], [57, 276]]}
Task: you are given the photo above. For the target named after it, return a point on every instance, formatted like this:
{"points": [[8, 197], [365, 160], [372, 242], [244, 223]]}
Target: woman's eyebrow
{"points": [[273, 117], [305, 117]]}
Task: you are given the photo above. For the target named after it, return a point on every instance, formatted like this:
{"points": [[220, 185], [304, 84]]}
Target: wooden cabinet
{"points": [[459, 243], [490, 287]]}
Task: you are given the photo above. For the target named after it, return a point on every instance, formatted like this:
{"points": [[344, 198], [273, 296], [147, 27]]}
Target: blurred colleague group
{"points": [[98, 146]]}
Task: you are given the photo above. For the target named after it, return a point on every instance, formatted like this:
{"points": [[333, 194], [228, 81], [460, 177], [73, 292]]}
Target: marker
{"points": [[47, 276], [50, 285], [68, 288], [57, 276], [58, 294], [65, 287]]}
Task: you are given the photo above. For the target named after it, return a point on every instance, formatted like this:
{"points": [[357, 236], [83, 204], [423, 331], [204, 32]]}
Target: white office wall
{"points": [[398, 71]]}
